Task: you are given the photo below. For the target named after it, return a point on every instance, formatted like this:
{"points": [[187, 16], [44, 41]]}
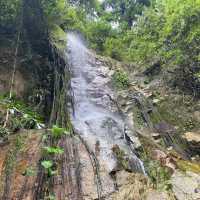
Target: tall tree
{"points": [[89, 5], [125, 11]]}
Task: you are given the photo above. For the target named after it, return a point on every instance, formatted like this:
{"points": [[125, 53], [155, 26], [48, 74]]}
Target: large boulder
{"points": [[186, 186], [133, 186], [193, 139], [196, 115]]}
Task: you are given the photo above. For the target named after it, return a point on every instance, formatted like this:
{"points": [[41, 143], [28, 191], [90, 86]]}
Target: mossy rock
{"points": [[120, 155], [175, 112], [58, 37], [138, 119], [188, 166]]}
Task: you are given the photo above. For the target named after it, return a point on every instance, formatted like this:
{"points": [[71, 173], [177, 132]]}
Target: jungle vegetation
{"points": [[165, 33]]}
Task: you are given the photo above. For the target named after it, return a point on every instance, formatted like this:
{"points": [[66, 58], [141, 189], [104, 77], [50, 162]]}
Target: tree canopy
{"points": [[8, 11], [140, 31], [125, 11]]}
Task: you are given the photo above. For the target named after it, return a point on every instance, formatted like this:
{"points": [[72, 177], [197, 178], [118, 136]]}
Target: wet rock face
{"points": [[96, 114], [100, 123], [18, 165], [125, 161]]}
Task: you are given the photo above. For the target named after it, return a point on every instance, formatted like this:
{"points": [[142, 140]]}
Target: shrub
{"points": [[3, 132], [113, 48], [15, 124], [120, 79], [97, 32], [28, 123], [159, 175]]}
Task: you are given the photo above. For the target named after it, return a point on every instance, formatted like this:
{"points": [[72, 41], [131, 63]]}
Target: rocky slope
{"points": [[167, 125], [164, 134]]}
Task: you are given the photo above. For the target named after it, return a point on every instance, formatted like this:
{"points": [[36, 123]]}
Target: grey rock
{"points": [[186, 185]]}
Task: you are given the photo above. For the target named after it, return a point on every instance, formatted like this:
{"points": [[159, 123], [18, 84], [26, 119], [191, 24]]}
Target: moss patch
{"points": [[188, 166], [177, 112], [121, 157], [138, 119], [58, 37]]}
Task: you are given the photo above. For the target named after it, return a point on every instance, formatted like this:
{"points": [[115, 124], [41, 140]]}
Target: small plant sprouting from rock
{"points": [[29, 172], [21, 116], [121, 157], [58, 132], [120, 79], [53, 150], [50, 197], [48, 166], [159, 175], [50, 151]]}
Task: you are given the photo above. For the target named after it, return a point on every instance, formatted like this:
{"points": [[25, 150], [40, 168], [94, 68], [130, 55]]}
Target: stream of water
{"points": [[95, 116]]}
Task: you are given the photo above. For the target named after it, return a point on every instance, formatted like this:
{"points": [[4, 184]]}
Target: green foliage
{"points": [[8, 11], [89, 6], [69, 14], [19, 142], [54, 150], [3, 132], [48, 166], [168, 31], [58, 37], [113, 48], [74, 19], [24, 122], [97, 32], [121, 157], [50, 197], [28, 123], [120, 79], [55, 11], [125, 11], [159, 175], [25, 109], [29, 172], [15, 124], [138, 118], [57, 132], [21, 115]]}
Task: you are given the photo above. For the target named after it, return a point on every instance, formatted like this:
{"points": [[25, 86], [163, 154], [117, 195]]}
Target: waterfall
{"points": [[95, 117]]}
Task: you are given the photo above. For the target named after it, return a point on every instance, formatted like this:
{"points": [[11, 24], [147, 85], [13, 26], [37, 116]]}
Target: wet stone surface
{"points": [[96, 116]]}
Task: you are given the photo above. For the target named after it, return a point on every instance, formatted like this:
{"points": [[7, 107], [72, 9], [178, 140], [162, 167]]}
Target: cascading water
{"points": [[96, 117]]}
